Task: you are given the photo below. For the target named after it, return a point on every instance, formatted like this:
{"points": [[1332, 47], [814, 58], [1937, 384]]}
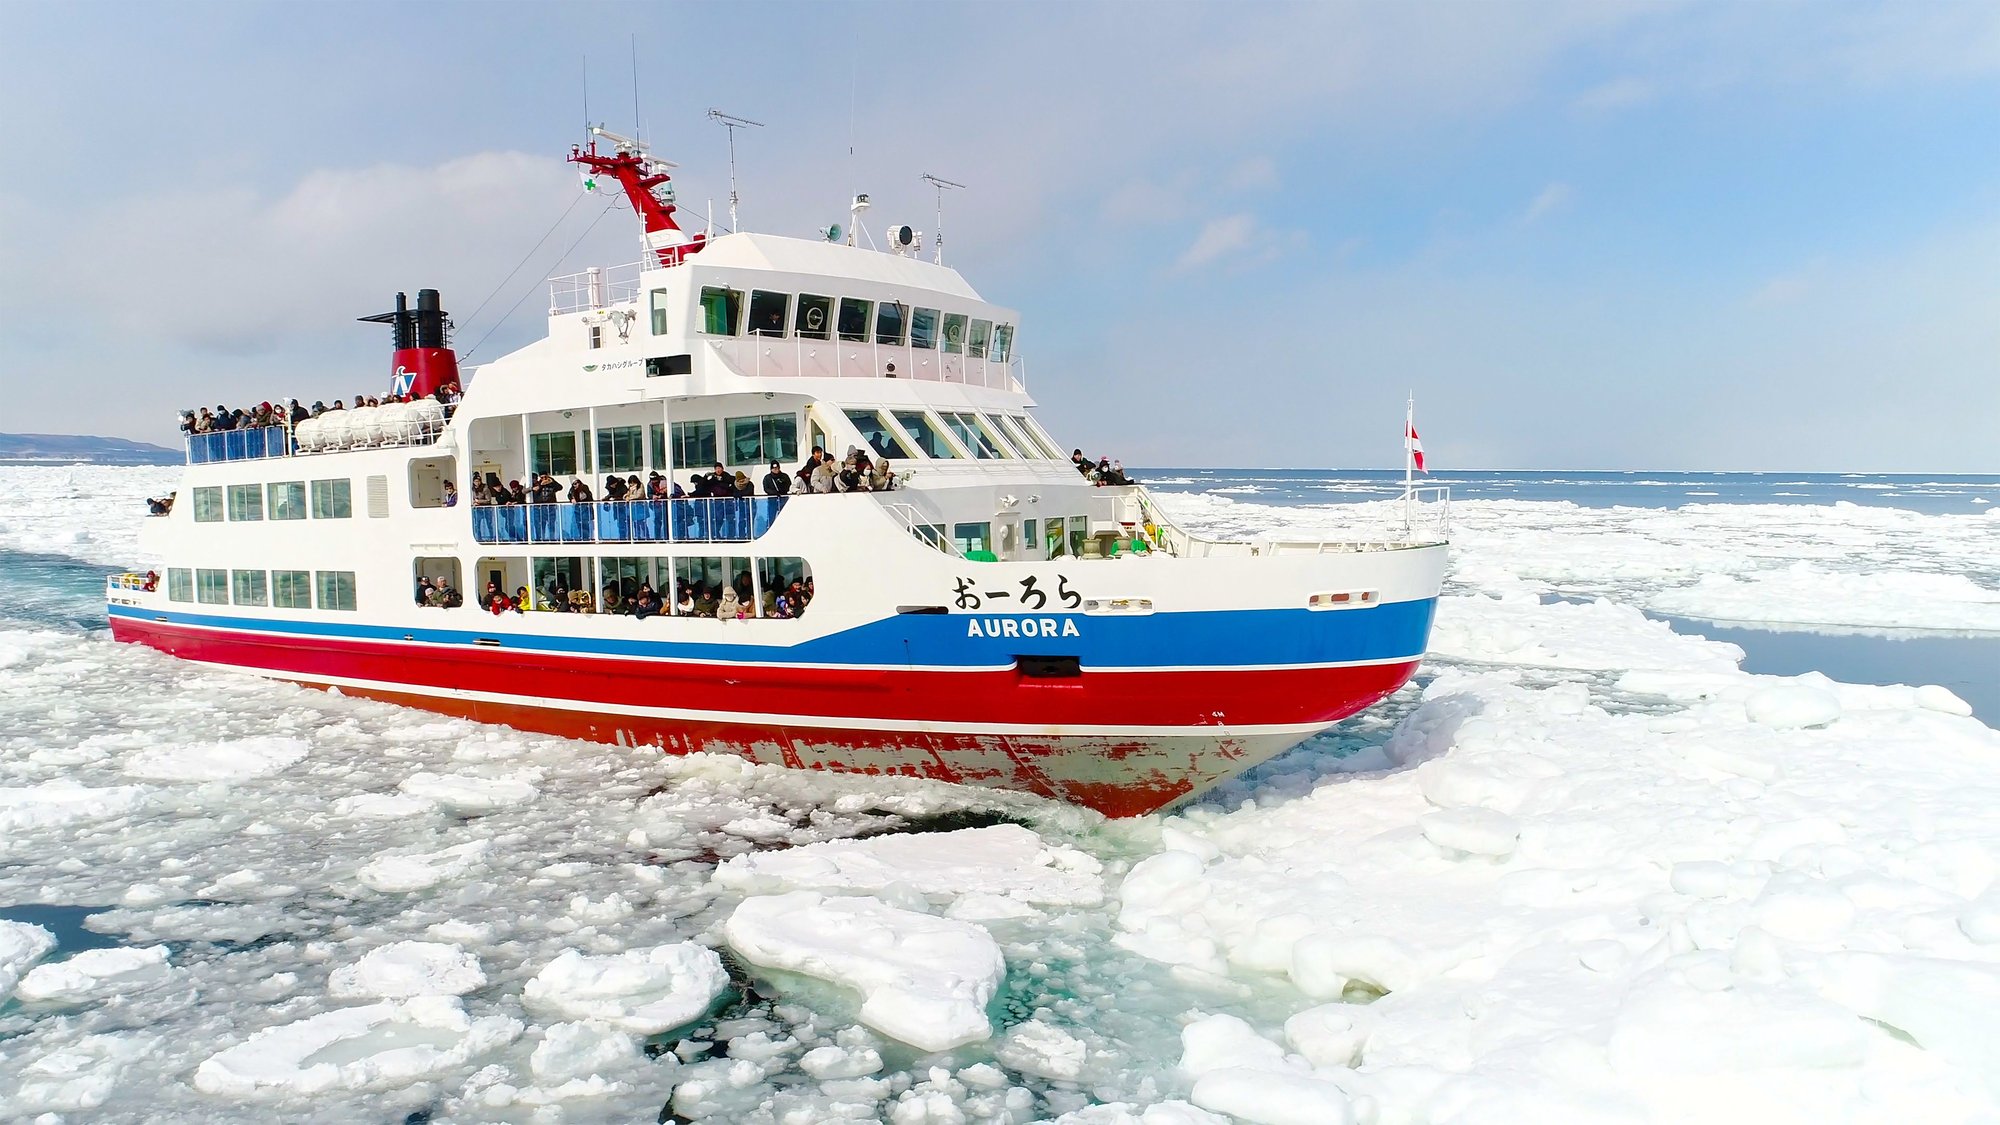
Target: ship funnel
{"points": [[422, 361]]}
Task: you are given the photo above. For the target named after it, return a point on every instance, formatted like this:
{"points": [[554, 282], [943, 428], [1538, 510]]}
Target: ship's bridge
{"points": [[766, 306]]}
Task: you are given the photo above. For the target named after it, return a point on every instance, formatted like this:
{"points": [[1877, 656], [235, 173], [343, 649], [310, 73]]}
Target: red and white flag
{"points": [[1414, 444]]}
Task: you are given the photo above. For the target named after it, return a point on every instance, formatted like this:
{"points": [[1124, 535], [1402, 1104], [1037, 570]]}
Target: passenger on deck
{"points": [[516, 493], [684, 602], [881, 478], [425, 593], [728, 605], [545, 489], [611, 602], [1079, 462], [740, 485], [614, 487], [450, 495], [557, 598], [161, 507], [579, 492], [633, 489], [720, 483], [647, 604], [520, 599], [822, 477], [776, 482], [480, 497], [705, 601]]}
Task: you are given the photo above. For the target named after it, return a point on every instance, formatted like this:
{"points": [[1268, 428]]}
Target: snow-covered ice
{"points": [[1587, 870], [924, 980]]}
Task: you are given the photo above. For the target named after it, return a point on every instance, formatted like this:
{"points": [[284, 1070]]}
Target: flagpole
{"points": [[1409, 456]]}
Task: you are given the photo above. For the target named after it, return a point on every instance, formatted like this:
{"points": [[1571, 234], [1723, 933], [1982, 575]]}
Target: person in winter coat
{"points": [[776, 482]]}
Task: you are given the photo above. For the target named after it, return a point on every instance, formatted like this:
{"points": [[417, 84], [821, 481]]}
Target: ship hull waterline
{"points": [[1124, 743]]}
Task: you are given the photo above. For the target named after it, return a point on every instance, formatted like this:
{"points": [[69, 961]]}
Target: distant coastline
{"points": [[71, 449]]}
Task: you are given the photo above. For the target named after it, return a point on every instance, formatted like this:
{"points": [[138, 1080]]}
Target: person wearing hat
{"points": [[777, 482]]}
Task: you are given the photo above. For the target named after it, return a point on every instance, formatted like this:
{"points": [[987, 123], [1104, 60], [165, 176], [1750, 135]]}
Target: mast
{"points": [[647, 187]]}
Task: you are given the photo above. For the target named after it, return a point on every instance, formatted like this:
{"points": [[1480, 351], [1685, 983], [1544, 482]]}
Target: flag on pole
{"points": [[1414, 444]]}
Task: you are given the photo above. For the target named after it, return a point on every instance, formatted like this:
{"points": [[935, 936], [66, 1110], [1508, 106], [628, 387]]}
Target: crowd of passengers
{"points": [[1104, 472], [632, 597], [290, 413], [856, 473]]}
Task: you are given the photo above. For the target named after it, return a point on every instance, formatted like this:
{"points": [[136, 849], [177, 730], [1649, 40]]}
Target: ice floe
{"points": [[641, 991], [21, 945], [369, 1047], [1004, 860], [232, 760], [403, 969], [924, 980], [93, 974], [52, 803]]}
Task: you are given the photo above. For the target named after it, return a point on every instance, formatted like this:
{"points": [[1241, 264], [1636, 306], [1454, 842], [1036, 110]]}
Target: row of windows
{"points": [[563, 578], [908, 433], [281, 589], [1061, 535], [753, 440], [278, 500], [809, 316]]}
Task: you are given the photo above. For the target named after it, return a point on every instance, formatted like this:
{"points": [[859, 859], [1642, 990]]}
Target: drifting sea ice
{"points": [[1590, 871]]}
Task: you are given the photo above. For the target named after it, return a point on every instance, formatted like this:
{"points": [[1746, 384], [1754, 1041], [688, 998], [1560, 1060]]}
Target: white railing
{"points": [[933, 531], [794, 357], [1423, 516], [595, 288]]}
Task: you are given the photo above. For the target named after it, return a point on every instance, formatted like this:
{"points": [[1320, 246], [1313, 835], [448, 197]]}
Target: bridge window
{"points": [[768, 312], [926, 436], [180, 584], [291, 589], [212, 586], [248, 587], [721, 311], [954, 333], [815, 316], [336, 589], [982, 331], [974, 437], [880, 435], [554, 454], [762, 439], [1003, 342], [1039, 437], [620, 449], [333, 499], [1010, 446], [889, 323], [208, 504], [288, 499], [923, 328], [854, 319], [694, 445], [659, 312], [246, 502]]}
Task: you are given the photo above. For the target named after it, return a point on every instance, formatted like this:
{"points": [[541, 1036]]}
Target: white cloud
{"points": [[1550, 199], [1237, 240], [1617, 94]]}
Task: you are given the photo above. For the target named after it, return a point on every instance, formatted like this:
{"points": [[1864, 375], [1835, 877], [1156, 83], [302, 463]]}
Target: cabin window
{"points": [[208, 504], [975, 438], [288, 499], [1055, 542], [815, 316], [854, 319], [561, 581], [180, 584], [291, 589], [765, 438], [336, 589], [247, 587], [212, 586], [554, 454], [694, 445], [954, 333], [890, 321], [442, 570], [970, 537], [246, 502], [706, 580], [1028, 540], [659, 312], [619, 449], [768, 311], [879, 435], [333, 499], [1003, 342], [623, 575], [775, 578], [721, 311], [923, 328], [982, 332], [929, 441]]}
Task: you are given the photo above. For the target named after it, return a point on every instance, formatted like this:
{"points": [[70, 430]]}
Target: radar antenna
{"points": [[732, 123], [940, 185]]}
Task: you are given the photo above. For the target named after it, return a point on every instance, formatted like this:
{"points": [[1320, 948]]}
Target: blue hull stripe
{"points": [[1200, 639]]}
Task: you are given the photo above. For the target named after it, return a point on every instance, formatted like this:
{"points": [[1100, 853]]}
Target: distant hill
{"points": [[70, 448]]}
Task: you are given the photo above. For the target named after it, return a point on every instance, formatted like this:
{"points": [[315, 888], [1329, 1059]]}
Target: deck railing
{"points": [[240, 445], [722, 519], [286, 441], [792, 357]]}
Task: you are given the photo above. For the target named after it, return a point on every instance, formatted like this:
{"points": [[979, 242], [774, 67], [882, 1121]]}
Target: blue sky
{"points": [[1587, 235]]}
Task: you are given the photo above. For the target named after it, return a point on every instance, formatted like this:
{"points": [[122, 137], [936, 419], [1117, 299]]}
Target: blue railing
{"points": [[724, 519], [239, 445]]}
